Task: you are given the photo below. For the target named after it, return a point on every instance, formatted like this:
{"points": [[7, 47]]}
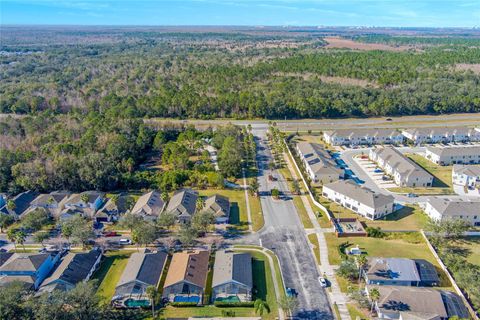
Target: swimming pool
{"points": [[195, 299], [132, 303]]}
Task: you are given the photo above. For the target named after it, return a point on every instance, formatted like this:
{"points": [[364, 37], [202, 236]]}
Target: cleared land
{"points": [[341, 43], [474, 67], [328, 79]]}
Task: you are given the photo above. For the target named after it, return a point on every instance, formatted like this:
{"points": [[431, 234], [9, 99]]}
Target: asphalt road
{"points": [[284, 234]]}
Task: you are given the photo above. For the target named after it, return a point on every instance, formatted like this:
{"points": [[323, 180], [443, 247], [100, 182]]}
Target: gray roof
{"points": [[397, 269], [145, 267], [455, 151], [218, 205], [120, 206], [24, 261], [405, 166], [26, 281], [92, 196], [318, 159], [447, 131], [22, 202], [427, 271], [452, 208], [469, 170], [360, 193], [349, 133], [45, 199], [183, 202], [230, 266], [150, 203], [74, 267]]}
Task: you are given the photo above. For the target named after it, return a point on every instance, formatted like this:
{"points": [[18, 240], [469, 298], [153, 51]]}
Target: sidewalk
{"points": [[325, 268]]}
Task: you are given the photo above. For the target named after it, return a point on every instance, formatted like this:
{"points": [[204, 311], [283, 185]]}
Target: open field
{"points": [[410, 246], [110, 272], [341, 43], [474, 67], [329, 79]]}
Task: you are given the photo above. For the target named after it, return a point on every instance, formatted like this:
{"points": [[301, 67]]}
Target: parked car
{"points": [[124, 241], [291, 292], [378, 170], [412, 195], [271, 178], [323, 282], [110, 234]]}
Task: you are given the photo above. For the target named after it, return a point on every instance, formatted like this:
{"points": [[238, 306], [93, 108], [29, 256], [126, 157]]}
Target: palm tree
{"points": [[21, 237], [200, 204], [374, 296], [261, 306], [361, 262], [164, 196], [12, 237], [11, 205], [115, 199], [152, 295], [84, 198], [253, 187]]}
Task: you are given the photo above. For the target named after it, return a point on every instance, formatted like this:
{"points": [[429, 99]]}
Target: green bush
{"points": [[183, 304], [222, 304], [375, 232]]}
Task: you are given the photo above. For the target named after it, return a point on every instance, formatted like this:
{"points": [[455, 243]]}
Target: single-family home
{"points": [[3, 199], [53, 202], [439, 208], [359, 199], [113, 208], [232, 276], [400, 272], [355, 137], [441, 135], [29, 268], [219, 206], [446, 156], [21, 204], [143, 269], [466, 176], [149, 206], [404, 171], [86, 204], [319, 165], [397, 299], [187, 276], [73, 269], [183, 205]]}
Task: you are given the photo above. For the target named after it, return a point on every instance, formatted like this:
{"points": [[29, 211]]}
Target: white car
{"points": [[124, 241], [322, 281]]}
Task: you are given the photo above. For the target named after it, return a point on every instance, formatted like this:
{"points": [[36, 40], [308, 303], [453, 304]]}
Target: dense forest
{"points": [[154, 73]]}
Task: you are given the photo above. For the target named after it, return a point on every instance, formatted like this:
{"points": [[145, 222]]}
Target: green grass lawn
{"points": [[307, 223], [410, 246], [355, 312], [205, 311], [442, 174], [472, 247], [238, 210], [256, 212], [314, 241], [110, 272]]}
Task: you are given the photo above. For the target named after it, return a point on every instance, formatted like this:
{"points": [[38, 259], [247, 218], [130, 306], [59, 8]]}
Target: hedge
{"points": [[222, 304], [183, 304]]}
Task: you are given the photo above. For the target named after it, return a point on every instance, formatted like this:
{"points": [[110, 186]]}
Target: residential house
{"points": [[400, 272], [359, 199], [113, 209], [466, 175], [183, 204], [362, 137], [232, 276], [3, 199], [438, 208], [53, 202], [404, 171], [187, 276], [446, 156], [22, 203], [149, 206], [441, 135], [436, 303], [143, 269], [30, 268], [73, 269], [219, 206], [319, 165], [86, 204]]}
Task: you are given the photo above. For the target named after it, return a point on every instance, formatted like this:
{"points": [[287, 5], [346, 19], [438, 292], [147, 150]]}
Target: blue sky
{"points": [[397, 13]]}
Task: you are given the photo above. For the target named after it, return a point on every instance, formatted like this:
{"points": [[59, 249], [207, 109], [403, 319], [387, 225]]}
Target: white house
{"points": [[319, 165], [466, 175], [404, 171], [359, 199], [453, 155], [436, 135], [438, 208], [362, 137]]}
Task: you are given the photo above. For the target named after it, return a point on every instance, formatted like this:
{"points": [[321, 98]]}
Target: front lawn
{"points": [[204, 311], [442, 174], [110, 271], [314, 241]]}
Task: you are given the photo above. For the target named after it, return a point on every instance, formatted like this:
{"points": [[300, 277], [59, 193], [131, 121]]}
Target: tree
{"points": [[144, 233], [12, 237], [11, 297], [261, 307], [152, 295], [447, 228], [374, 295], [202, 220], [347, 270], [129, 221], [84, 198], [253, 187], [11, 205], [199, 204], [230, 158], [36, 219], [41, 237], [361, 262], [166, 220], [20, 237], [77, 230], [5, 221], [295, 186], [275, 193], [288, 304], [187, 234]]}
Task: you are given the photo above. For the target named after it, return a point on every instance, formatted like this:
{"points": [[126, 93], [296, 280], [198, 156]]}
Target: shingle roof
{"points": [[406, 167], [144, 267], [56, 196], [188, 266], [74, 267], [231, 266], [363, 132], [397, 269], [447, 131], [27, 281], [218, 204], [452, 208], [318, 159], [150, 203], [183, 201], [469, 170], [24, 261], [22, 203], [120, 206], [455, 151], [92, 196], [360, 193]]}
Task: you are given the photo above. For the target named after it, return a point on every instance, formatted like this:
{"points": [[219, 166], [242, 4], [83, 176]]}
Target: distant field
{"points": [[474, 67], [341, 43]]}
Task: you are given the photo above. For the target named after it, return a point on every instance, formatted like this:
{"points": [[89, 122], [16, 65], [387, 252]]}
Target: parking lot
{"points": [[375, 174]]}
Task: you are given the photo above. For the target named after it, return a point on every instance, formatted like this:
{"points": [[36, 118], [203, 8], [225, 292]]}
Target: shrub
{"points": [[183, 304], [222, 304], [375, 232]]}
